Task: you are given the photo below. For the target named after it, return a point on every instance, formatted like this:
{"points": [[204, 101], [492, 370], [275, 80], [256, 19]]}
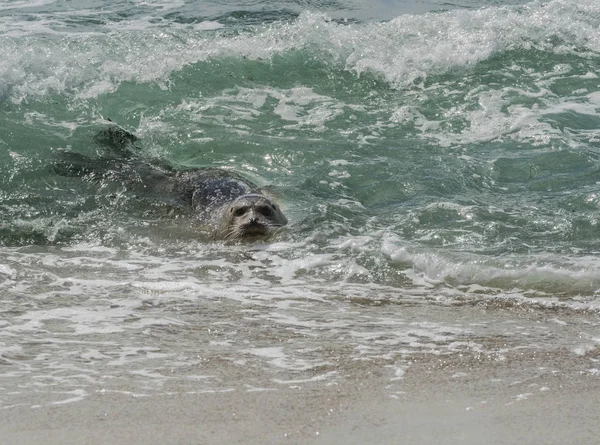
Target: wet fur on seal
{"points": [[233, 207]]}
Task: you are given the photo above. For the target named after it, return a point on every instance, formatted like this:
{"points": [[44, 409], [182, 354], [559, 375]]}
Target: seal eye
{"points": [[239, 211], [266, 211]]}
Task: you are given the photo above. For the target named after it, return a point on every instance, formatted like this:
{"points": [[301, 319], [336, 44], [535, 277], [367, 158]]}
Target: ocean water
{"points": [[439, 163]]}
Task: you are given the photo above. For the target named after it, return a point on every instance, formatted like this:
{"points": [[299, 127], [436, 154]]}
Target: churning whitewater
{"points": [[430, 161]]}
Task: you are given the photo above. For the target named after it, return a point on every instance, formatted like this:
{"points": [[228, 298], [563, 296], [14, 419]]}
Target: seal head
{"points": [[250, 216]]}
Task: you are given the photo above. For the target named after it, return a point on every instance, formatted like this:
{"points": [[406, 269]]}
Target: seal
{"points": [[233, 207]]}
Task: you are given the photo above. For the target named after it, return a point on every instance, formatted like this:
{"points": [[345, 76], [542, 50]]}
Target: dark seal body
{"points": [[232, 206]]}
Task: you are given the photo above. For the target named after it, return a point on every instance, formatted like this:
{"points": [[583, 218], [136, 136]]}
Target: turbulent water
{"points": [[439, 165]]}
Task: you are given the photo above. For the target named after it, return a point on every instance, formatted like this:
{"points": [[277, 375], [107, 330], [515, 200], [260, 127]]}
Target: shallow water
{"points": [[438, 164]]}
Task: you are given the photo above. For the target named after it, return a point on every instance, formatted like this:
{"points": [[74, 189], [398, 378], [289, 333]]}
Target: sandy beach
{"points": [[530, 399]]}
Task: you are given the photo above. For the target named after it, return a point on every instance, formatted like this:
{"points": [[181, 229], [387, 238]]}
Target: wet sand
{"points": [[527, 398], [530, 401]]}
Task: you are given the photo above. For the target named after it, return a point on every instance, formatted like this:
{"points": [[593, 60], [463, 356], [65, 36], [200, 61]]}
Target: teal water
{"points": [[430, 154]]}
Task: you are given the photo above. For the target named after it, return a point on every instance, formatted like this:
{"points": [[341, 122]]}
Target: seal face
{"points": [[250, 216], [236, 208]]}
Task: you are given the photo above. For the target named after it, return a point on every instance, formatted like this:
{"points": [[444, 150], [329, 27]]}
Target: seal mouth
{"points": [[254, 229]]}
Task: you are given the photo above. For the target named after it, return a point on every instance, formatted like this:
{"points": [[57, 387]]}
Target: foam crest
{"points": [[402, 51], [87, 65], [411, 47], [545, 275]]}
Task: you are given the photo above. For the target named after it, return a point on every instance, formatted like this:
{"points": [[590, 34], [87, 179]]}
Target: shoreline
{"points": [[538, 399]]}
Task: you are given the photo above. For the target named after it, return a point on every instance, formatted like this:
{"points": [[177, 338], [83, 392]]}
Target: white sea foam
{"points": [[402, 50], [546, 273], [299, 108], [244, 308], [76, 395], [311, 307]]}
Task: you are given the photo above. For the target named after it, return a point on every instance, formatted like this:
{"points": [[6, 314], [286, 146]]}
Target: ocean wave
{"points": [[404, 51]]}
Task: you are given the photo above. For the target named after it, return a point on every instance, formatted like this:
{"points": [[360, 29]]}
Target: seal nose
{"points": [[253, 217]]}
